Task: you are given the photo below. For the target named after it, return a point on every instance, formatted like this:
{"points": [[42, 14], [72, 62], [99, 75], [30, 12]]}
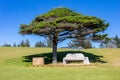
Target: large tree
{"points": [[62, 23], [117, 41]]}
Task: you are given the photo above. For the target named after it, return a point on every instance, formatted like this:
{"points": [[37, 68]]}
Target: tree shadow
{"points": [[48, 56]]}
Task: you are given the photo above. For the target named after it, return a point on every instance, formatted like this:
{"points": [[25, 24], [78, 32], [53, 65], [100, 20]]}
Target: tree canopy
{"points": [[62, 23]]}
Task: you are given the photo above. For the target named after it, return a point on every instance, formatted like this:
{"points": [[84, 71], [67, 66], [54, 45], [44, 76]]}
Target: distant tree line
{"points": [[86, 42], [23, 43], [113, 42], [83, 44], [26, 43], [46, 43], [6, 45]]}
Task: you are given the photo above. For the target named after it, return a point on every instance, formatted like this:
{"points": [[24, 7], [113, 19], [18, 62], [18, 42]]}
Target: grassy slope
{"points": [[111, 56], [12, 66]]}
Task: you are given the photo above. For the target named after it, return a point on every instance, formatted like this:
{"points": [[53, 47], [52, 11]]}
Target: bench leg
{"points": [[86, 60], [64, 61]]}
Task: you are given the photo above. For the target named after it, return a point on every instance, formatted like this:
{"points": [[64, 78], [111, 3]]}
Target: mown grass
{"points": [[59, 73], [15, 64]]}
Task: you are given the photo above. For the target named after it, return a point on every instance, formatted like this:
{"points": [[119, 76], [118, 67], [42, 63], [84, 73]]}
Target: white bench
{"points": [[76, 57]]}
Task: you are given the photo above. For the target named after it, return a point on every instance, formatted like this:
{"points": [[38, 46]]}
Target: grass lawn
{"points": [[15, 64]]}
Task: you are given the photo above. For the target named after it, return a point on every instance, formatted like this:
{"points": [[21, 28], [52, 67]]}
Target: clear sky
{"points": [[16, 12]]}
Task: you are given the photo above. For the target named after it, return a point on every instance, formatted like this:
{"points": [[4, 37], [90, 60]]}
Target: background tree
{"points": [[62, 23], [40, 44], [24, 43], [110, 42], [102, 45], [6, 45], [87, 44], [104, 42], [27, 43], [80, 42], [117, 41], [14, 45]]}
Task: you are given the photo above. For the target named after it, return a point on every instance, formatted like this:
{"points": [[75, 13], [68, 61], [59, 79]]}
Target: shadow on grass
{"points": [[48, 56]]}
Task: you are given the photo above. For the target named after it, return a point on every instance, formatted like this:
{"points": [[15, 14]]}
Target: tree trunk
{"points": [[55, 39]]}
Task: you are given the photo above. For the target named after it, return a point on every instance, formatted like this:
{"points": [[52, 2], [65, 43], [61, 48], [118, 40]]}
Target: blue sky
{"points": [[16, 12]]}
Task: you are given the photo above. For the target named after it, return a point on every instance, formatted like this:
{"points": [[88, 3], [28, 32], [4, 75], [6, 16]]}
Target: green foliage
{"points": [[27, 43], [111, 42], [102, 45], [78, 42], [62, 16], [100, 38], [79, 19], [14, 45], [24, 43], [43, 24], [117, 41], [59, 20], [6, 45], [59, 12], [87, 44], [40, 44]]}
